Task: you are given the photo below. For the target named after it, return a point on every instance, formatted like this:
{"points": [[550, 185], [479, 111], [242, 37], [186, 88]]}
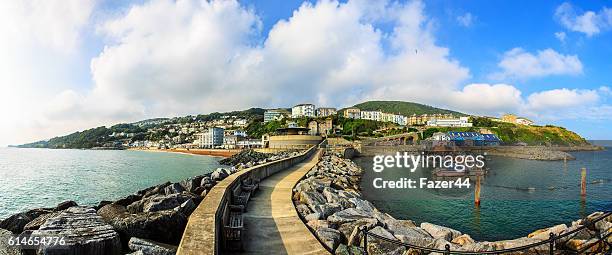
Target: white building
{"points": [[326, 111], [275, 114], [303, 110], [460, 122], [211, 138], [400, 119], [524, 121], [439, 136], [371, 115]]}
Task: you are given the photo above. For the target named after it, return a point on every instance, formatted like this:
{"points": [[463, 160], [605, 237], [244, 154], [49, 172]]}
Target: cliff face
{"points": [[538, 135]]}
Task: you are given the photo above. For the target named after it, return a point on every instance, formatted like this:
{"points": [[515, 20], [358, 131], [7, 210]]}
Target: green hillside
{"points": [[403, 108]]}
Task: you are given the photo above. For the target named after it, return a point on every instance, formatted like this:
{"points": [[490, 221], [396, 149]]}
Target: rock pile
{"points": [[249, 158], [330, 203]]}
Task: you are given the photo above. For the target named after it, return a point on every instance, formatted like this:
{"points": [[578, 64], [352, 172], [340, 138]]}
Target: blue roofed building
{"points": [[473, 139]]}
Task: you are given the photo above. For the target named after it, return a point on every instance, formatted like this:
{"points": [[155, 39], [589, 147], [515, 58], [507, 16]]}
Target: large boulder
{"points": [[437, 231], [157, 190], [173, 189], [219, 174], [162, 226], [343, 249], [16, 222], [379, 246], [330, 237], [85, 232], [192, 183], [150, 247], [312, 199], [349, 227], [348, 215], [160, 203], [128, 200], [39, 221], [186, 207], [328, 209], [5, 248], [543, 234], [65, 205], [112, 211]]}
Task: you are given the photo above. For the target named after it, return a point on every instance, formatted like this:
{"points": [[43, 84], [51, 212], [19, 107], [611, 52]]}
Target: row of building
{"points": [[298, 111], [434, 120], [216, 137]]}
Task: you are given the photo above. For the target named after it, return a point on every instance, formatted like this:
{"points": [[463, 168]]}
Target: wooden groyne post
{"points": [[477, 192], [583, 182]]}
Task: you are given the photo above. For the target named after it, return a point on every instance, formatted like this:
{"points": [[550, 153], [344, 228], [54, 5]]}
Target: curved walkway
{"points": [[272, 222]]}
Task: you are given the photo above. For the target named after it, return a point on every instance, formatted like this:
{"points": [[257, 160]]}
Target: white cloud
{"points": [[466, 19], [492, 99], [558, 99], [517, 63], [39, 48], [561, 36], [589, 22]]}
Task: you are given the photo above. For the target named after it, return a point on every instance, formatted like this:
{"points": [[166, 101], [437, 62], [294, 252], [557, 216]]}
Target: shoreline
{"points": [[201, 152]]}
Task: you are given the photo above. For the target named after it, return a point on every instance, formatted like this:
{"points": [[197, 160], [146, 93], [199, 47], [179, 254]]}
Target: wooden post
{"points": [[477, 191], [583, 182]]}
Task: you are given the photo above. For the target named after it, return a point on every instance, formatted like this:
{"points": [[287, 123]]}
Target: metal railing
{"points": [[555, 243]]}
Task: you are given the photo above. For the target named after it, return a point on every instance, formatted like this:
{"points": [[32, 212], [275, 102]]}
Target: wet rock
{"points": [[150, 247], [362, 204], [5, 248], [173, 189], [85, 232], [437, 231], [348, 215], [65, 205], [330, 237]]}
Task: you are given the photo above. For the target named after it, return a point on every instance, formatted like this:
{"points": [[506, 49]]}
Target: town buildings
{"points": [[371, 115], [322, 128], [326, 111], [303, 110], [511, 118], [275, 114], [352, 113], [460, 122], [211, 138]]}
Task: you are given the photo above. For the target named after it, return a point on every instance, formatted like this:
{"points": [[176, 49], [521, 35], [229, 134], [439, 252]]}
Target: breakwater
{"points": [[149, 220], [331, 204]]}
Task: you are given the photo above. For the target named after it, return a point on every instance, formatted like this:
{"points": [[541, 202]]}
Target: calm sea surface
{"points": [[32, 178], [508, 210]]}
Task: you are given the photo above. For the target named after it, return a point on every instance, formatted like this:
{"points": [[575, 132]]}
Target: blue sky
{"points": [[81, 64]]}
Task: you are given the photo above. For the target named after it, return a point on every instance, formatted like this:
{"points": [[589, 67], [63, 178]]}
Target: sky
{"points": [[68, 65]]}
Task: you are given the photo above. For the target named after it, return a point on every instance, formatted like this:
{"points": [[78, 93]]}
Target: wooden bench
{"points": [[233, 231], [251, 184], [241, 196]]}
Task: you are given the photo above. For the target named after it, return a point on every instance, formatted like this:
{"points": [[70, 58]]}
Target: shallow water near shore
{"points": [[33, 178], [509, 209]]}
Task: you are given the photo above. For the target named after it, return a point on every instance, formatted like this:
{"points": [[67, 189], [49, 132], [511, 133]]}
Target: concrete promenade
{"points": [[272, 222]]}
